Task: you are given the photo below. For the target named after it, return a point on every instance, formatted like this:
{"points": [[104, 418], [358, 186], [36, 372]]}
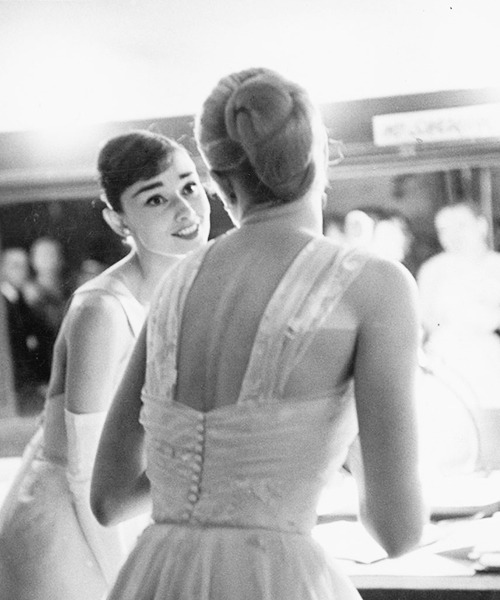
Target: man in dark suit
{"points": [[27, 335]]}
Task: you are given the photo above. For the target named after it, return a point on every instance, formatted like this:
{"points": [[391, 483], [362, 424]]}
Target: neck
{"points": [[155, 265], [145, 270], [304, 214]]}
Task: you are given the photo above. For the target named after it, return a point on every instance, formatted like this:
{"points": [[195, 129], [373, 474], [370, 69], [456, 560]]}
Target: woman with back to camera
{"points": [[252, 352], [51, 546]]}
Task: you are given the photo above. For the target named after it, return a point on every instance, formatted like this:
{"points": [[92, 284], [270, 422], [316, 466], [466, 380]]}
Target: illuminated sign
{"points": [[439, 125]]}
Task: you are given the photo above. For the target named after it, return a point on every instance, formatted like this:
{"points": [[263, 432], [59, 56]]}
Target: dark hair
{"points": [[131, 157], [266, 128]]}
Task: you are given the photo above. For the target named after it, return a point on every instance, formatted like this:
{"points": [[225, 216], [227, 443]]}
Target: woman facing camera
{"points": [[51, 546], [246, 369]]}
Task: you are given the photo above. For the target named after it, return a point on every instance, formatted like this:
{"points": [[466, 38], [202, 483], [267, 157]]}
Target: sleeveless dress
{"points": [[51, 546], [235, 489]]}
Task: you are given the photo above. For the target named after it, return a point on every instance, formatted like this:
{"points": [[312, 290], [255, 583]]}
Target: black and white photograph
{"points": [[249, 300]]}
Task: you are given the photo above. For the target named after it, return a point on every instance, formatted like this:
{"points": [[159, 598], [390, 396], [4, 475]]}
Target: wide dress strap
{"points": [[305, 298], [165, 315]]}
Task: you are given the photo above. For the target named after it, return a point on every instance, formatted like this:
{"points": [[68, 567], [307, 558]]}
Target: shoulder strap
{"points": [[305, 297], [165, 315]]}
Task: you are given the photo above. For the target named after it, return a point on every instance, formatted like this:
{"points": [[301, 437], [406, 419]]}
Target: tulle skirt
{"points": [[182, 562], [43, 551]]}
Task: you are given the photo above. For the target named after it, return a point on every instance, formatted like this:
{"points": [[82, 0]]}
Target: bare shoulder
{"points": [[96, 310], [382, 285]]}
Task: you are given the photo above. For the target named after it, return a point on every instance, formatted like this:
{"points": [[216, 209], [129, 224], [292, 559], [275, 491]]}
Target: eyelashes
{"points": [[189, 189]]}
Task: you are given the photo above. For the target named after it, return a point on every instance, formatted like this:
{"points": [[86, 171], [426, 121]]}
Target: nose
{"points": [[184, 209]]}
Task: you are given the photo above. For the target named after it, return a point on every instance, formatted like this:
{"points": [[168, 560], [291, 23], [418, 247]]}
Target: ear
{"points": [[115, 221]]}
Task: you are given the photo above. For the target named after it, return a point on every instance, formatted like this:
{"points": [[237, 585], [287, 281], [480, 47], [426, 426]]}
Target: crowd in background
{"points": [[35, 288], [459, 293]]}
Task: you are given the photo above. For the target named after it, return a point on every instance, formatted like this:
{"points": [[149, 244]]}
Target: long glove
{"points": [[83, 433]]}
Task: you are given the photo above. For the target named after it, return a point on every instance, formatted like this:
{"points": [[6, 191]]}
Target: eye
{"points": [[156, 200], [190, 188]]}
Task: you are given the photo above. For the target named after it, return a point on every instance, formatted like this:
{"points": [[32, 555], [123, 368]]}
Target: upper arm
{"points": [[384, 377], [387, 343], [98, 340]]}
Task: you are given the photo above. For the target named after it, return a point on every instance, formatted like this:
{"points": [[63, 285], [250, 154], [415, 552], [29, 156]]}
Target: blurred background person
{"points": [[47, 292], [29, 336], [383, 231], [89, 268], [460, 304], [333, 228]]}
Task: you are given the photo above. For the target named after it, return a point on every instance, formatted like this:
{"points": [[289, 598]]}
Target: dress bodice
{"points": [[262, 461], [55, 438]]}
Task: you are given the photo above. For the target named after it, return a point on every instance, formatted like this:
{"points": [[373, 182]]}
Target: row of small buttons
{"points": [[196, 466]]}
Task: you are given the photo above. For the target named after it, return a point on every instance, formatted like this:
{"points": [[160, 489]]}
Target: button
{"points": [[194, 488], [198, 459], [185, 516], [196, 468], [192, 497], [198, 448], [200, 428]]}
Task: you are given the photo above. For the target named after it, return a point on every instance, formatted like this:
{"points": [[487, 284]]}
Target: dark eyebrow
{"points": [[146, 188], [157, 184]]}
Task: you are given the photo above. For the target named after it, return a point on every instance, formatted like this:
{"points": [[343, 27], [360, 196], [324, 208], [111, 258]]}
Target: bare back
{"points": [[223, 312]]}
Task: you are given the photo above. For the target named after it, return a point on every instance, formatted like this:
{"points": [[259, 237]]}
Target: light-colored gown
{"points": [[51, 546], [235, 489]]}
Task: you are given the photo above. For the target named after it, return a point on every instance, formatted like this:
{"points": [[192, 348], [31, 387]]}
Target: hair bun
{"points": [[257, 109], [258, 121]]}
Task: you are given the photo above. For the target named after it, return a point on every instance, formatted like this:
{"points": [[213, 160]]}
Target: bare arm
{"points": [[391, 505], [120, 488], [98, 342]]}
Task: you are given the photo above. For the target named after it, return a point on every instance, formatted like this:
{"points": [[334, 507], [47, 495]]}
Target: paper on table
{"points": [[349, 541], [488, 539]]}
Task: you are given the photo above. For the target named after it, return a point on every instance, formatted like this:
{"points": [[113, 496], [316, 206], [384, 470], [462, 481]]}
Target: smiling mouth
{"points": [[188, 233]]}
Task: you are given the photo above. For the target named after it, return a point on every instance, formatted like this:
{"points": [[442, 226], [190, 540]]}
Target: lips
{"points": [[188, 233]]}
